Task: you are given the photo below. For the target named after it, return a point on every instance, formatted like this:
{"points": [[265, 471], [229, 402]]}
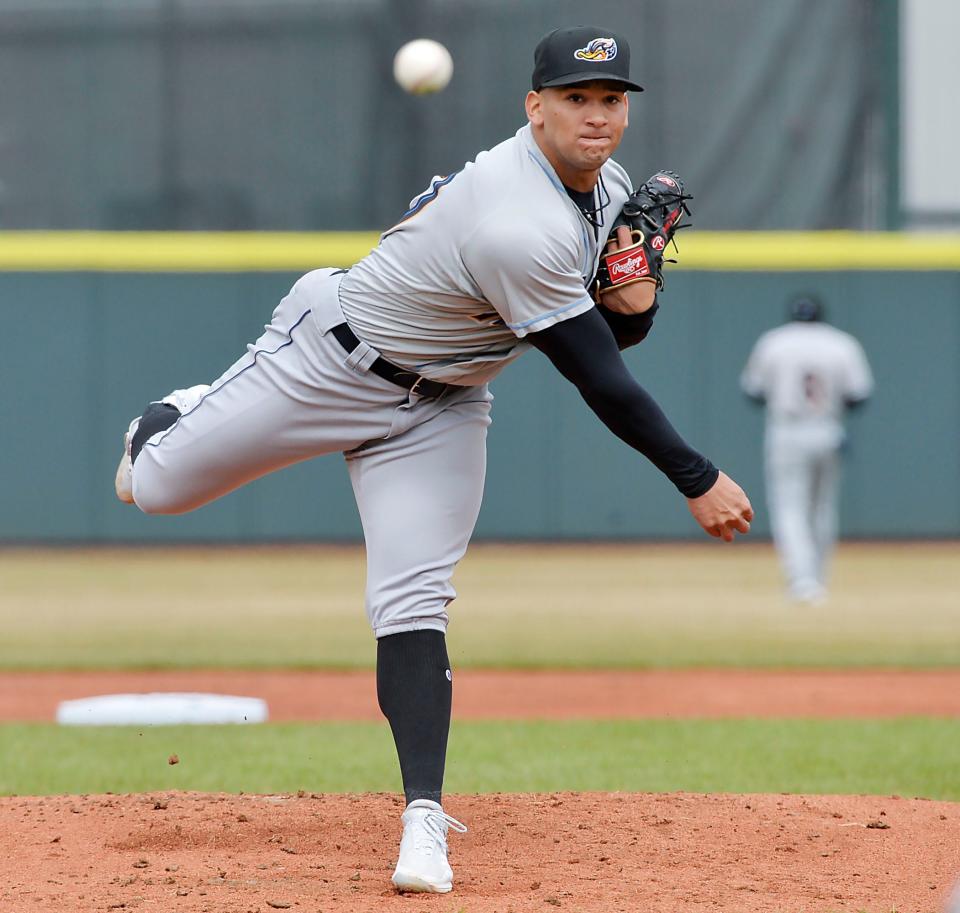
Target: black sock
{"points": [[156, 417], [414, 688]]}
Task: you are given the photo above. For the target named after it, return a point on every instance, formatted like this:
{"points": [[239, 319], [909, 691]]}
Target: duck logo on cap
{"points": [[598, 49]]}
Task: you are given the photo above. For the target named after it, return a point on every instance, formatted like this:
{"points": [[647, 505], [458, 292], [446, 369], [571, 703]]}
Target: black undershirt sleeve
{"points": [[583, 349], [629, 329]]}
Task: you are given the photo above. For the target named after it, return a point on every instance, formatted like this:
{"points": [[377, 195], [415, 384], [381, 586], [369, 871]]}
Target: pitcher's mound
{"points": [[587, 852]]}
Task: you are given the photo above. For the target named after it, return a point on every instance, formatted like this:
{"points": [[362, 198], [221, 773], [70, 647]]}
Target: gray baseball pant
{"points": [[416, 464], [803, 472]]}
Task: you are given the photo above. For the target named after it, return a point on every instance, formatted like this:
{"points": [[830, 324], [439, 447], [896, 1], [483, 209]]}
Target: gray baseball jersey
{"points": [[806, 372], [482, 258]]}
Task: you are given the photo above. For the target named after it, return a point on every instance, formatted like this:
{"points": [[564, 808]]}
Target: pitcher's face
{"points": [[578, 128]]}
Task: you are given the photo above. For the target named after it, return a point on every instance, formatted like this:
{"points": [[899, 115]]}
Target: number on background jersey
{"points": [[814, 391]]}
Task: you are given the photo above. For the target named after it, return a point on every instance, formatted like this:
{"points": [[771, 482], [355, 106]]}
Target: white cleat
{"points": [[123, 481], [809, 592], [422, 866], [188, 399]]}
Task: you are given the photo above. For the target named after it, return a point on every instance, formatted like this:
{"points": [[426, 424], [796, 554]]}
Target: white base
{"points": [[160, 709]]}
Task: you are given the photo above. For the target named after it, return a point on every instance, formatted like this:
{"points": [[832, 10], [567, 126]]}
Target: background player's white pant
{"points": [[803, 469], [417, 465]]}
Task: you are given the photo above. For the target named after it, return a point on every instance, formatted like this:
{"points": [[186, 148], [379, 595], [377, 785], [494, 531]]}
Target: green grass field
{"points": [[908, 757], [598, 606], [641, 605]]}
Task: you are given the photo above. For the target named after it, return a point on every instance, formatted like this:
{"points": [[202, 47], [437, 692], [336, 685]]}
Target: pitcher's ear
{"points": [[534, 108]]}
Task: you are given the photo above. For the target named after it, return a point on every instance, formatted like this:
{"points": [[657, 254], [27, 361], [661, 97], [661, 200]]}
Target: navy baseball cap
{"points": [[583, 53], [806, 307]]}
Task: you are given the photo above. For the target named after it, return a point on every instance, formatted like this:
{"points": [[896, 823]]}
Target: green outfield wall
{"points": [[98, 324]]}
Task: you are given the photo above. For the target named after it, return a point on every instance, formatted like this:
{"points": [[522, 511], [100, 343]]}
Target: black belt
{"points": [[422, 386]]}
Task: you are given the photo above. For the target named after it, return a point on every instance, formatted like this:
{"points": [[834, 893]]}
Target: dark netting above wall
{"points": [[235, 114]]}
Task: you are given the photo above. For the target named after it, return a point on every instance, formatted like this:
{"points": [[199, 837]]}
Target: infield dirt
{"points": [[585, 852], [478, 694], [581, 852]]}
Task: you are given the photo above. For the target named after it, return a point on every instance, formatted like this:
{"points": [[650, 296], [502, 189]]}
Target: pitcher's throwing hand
{"points": [[724, 510]]}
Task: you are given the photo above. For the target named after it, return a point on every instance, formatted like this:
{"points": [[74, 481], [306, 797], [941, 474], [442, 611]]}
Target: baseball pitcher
{"points": [[540, 242]]}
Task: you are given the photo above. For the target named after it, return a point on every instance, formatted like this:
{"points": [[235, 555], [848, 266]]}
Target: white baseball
{"points": [[422, 66]]}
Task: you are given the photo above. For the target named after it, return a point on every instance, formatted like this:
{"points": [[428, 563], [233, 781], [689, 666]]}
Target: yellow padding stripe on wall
{"points": [[301, 251], [159, 252]]}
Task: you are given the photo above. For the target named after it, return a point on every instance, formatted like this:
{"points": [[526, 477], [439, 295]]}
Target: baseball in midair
{"points": [[422, 66]]}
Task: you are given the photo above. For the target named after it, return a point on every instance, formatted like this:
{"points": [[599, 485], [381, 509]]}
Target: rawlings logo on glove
{"points": [[652, 213], [629, 264]]}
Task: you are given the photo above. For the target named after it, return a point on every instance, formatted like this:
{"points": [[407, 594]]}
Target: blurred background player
{"points": [[808, 374]]}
